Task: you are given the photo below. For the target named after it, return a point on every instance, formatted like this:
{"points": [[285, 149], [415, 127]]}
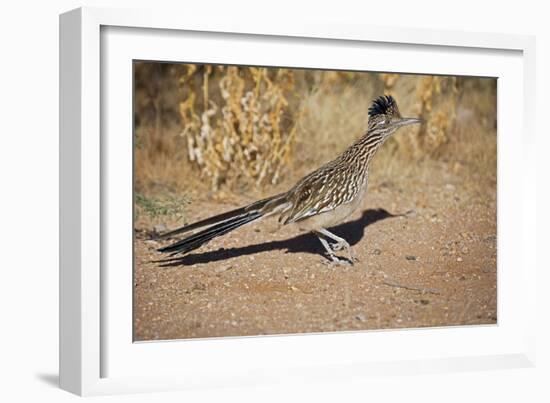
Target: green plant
{"points": [[156, 207]]}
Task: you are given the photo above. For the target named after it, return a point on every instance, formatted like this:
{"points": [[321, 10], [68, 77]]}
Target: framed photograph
{"points": [[245, 204]]}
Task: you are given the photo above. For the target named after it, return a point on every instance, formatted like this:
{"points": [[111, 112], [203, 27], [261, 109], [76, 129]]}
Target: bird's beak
{"points": [[408, 121]]}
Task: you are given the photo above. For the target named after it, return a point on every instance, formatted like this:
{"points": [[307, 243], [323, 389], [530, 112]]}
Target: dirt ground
{"points": [[427, 257]]}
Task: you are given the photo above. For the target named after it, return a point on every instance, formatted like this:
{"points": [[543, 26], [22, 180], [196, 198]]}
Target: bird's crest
{"points": [[384, 105]]}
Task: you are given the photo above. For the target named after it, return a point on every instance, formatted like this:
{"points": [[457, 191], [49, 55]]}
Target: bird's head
{"points": [[384, 116]]}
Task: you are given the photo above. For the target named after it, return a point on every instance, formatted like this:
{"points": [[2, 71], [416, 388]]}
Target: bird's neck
{"points": [[359, 155], [369, 144]]}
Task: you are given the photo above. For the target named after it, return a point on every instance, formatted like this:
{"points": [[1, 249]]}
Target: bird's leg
{"points": [[329, 250], [340, 244]]}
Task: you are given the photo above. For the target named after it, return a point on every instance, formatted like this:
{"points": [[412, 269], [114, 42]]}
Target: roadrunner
{"points": [[320, 200]]}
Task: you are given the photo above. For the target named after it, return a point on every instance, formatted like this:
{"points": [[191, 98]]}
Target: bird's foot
{"points": [[339, 246], [344, 245], [333, 260], [339, 261]]}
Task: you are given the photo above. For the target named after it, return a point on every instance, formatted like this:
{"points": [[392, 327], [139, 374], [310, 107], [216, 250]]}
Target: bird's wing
{"points": [[317, 193]]}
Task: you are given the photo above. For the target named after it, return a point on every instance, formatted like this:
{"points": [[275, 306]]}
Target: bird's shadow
{"points": [[351, 231]]}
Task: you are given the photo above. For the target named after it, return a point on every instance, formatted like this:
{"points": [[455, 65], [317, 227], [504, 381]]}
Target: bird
{"points": [[320, 200]]}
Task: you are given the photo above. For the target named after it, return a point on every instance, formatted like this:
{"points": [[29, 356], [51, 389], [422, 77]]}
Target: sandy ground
{"points": [[427, 257]]}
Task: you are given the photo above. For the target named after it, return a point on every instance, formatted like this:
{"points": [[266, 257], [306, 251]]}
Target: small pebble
{"points": [[361, 317], [159, 228], [222, 269], [410, 257]]}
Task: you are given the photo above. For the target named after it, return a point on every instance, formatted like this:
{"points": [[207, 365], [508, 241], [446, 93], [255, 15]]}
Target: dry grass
{"points": [[224, 129]]}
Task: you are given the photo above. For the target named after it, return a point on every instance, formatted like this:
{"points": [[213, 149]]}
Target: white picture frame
{"points": [[96, 354]]}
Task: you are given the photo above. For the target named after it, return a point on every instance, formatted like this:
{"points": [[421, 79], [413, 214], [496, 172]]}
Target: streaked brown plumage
{"points": [[324, 198]]}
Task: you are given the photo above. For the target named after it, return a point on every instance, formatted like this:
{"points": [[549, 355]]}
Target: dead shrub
{"points": [[239, 129]]}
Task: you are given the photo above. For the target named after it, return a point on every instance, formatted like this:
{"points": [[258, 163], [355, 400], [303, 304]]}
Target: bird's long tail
{"points": [[220, 225]]}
